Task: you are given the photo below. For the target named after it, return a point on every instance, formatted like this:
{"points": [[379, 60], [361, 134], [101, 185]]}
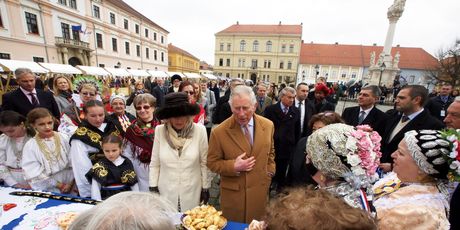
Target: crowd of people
{"points": [[362, 169]]}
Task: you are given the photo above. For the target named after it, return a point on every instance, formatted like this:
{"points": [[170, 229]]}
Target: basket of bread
{"points": [[65, 219], [203, 217]]}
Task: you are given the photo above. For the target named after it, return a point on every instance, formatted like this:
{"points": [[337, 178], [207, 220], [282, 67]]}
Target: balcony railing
{"points": [[67, 42]]}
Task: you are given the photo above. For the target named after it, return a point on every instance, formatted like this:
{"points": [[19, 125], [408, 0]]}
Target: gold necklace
{"points": [[52, 156]]}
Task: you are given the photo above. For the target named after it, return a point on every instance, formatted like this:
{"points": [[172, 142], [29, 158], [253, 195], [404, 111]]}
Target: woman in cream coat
{"points": [[178, 169]]}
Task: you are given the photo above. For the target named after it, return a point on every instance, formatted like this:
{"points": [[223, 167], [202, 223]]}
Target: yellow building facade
{"points": [[182, 61], [258, 52]]}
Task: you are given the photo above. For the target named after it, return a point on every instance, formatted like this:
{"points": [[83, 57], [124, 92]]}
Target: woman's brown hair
{"points": [[327, 117], [38, 113]]}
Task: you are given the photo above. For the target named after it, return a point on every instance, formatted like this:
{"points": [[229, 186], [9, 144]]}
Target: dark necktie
{"points": [[404, 118], [34, 99], [286, 110], [261, 102], [300, 106], [361, 117]]}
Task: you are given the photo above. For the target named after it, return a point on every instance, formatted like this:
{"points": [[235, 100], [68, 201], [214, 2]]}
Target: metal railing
{"points": [[71, 42]]}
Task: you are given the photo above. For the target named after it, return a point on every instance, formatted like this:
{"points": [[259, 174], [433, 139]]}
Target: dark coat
{"points": [[455, 210], [19, 102], [287, 129], [323, 106], [159, 93], [375, 119], [309, 108], [299, 174], [435, 105], [422, 121], [223, 110]]}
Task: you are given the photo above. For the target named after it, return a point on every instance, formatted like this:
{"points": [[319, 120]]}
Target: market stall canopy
{"points": [[210, 76], [60, 68], [157, 73], [93, 70], [138, 72], [178, 73], [117, 72], [12, 65], [192, 75]]}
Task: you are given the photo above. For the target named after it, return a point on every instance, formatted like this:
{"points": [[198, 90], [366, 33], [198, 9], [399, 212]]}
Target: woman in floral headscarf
{"points": [[347, 160], [415, 196], [139, 138]]}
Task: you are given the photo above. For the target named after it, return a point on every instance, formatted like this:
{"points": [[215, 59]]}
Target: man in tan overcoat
{"points": [[241, 150]]}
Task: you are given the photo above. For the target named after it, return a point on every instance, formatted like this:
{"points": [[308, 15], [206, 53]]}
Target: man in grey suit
{"points": [[262, 100]]}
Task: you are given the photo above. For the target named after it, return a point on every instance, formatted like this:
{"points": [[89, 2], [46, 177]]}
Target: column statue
{"points": [[396, 60], [395, 11], [372, 58]]}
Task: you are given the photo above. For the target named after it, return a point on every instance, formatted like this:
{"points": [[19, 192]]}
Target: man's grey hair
{"points": [[20, 71], [375, 90], [240, 91], [235, 82], [286, 90], [262, 85], [127, 211]]}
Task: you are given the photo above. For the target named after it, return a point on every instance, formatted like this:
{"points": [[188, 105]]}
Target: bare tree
{"points": [[448, 68]]}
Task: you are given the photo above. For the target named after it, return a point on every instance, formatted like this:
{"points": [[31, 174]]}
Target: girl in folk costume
{"points": [[178, 169], [113, 173], [88, 89], [46, 160], [120, 117], [85, 144], [139, 138], [15, 135], [187, 87]]}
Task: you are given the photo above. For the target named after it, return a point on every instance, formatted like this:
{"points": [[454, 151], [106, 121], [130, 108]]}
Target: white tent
{"points": [[117, 72], [12, 65], [178, 73], [138, 72], [210, 76], [192, 75], [93, 70], [157, 73], [61, 68]]}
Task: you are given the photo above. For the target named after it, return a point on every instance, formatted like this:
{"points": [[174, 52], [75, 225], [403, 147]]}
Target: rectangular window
{"points": [[32, 25], [137, 28], [138, 50], [127, 48], [99, 40], [147, 55], [96, 12], [146, 32], [65, 30], [229, 47], [162, 40], [344, 75], [114, 45], [154, 36], [265, 63], [280, 79], [38, 59], [269, 64], [221, 62], [283, 48], [126, 24], [289, 65], [73, 4], [155, 56], [63, 2], [353, 75], [76, 35], [244, 63], [112, 18], [221, 47], [5, 56], [281, 65], [162, 57], [228, 61], [1, 20], [254, 63], [291, 48]]}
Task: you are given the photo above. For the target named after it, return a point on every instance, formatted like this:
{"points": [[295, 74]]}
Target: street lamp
{"points": [[317, 72], [303, 76], [382, 68]]}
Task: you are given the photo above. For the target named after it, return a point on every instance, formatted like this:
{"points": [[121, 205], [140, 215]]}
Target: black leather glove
{"points": [[204, 197], [154, 190]]}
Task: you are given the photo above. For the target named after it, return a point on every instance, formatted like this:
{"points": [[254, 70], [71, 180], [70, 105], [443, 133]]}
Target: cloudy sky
{"points": [[192, 23]]}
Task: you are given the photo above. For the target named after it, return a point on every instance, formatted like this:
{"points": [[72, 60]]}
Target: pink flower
{"points": [[365, 128]]}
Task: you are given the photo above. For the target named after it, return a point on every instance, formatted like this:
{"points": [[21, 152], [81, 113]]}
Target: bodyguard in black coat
{"points": [[373, 117], [287, 132], [19, 102], [409, 103], [437, 106], [306, 107]]}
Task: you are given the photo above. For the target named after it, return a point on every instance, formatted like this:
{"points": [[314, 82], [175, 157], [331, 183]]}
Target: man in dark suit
{"points": [[159, 92], [262, 100], [285, 118], [366, 113], [320, 102], [438, 105], [27, 97], [409, 115], [305, 107]]}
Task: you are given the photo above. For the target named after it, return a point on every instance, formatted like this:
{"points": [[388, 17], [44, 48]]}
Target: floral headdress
{"points": [[341, 151], [453, 157], [81, 80]]}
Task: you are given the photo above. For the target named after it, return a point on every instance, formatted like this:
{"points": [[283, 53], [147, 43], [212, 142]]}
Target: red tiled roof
{"points": [[175, 49], [262, 29], [124, 6], [359, 55]]}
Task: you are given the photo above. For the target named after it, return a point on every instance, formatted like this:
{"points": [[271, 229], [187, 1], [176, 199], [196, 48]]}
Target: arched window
{"points": [[242, 45], [255, 46], [269, 46]]}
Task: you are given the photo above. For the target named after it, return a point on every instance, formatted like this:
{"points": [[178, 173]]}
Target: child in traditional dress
{"points": [[46, 160], [113, 173]]}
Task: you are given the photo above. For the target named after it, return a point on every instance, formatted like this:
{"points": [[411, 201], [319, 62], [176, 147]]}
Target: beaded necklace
{"points": [[52, 156], [18, 152]]}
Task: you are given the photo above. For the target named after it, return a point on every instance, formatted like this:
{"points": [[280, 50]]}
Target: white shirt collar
{"points": [[367, 111], [413, 115], [118, 161], [27, 92]]}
